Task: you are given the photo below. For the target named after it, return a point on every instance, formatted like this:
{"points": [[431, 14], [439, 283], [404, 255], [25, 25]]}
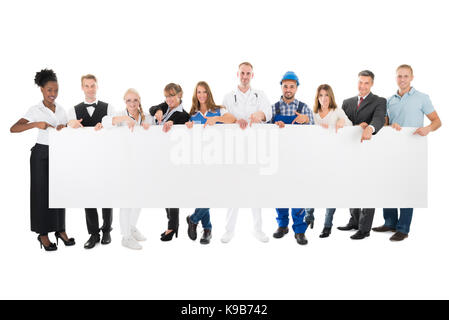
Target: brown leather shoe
{"points": [[398, 236], [383, 229]]}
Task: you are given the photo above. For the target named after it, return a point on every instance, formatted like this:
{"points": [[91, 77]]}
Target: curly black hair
{"points": [[44, 76]]}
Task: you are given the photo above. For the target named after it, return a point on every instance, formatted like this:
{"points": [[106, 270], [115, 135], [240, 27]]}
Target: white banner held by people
{"points": [[224, 166]]}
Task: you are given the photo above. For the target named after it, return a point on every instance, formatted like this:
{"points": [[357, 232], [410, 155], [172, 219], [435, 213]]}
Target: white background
{"points": [[146, 45]]}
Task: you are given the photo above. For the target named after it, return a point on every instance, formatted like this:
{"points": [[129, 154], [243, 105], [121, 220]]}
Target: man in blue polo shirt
{"points": [[406, 109]]}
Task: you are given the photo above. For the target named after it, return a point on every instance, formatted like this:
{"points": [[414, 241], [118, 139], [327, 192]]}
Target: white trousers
{"points": [[231, 219], [128, 220]]}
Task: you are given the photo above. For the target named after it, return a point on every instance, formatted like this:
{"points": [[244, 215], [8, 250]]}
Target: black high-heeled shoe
{"points": [[51, 247], [68, 243], [169, 237]]}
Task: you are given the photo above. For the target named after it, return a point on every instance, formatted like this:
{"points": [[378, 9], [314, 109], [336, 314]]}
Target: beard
{"points": [[289, 96]]}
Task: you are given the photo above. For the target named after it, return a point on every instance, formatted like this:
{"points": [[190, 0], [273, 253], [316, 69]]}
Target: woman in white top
{"points": [[327, 115], [45, 115], [133, 115], [325, 111]]}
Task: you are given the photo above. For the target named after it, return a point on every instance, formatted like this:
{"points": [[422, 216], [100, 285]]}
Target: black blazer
{"points": [[177, 117], [372, 110]]}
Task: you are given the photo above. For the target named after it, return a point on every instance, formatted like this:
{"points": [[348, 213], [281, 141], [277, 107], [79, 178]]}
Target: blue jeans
{"points": [[203, 215], [328, 218], [298, 214], [403, 223]]}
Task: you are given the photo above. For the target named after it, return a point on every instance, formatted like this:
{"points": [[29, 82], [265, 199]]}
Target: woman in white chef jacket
{"points": [[133, 115], [45, 115]]}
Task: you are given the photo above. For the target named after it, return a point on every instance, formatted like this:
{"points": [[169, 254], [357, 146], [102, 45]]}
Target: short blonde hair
{"points": [[405, 66], [246, 64], [88, 76]]}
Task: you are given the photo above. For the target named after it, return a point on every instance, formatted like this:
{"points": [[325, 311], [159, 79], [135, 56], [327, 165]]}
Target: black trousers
{"points": [[173, 218], [93, 226], [363, 218], [43, 219]]}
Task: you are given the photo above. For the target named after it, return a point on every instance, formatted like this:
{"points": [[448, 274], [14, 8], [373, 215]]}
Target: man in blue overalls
{"points": [[289, 110]]}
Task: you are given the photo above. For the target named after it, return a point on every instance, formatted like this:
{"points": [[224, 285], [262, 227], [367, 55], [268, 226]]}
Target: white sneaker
{"points": [[262, 237], [131, 243], [227, 237], [137, 235]]}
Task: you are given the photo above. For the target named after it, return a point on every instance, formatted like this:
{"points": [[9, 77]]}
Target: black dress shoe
{"points": [[348, 227], [383, 229], [191, 231], [207, 235], [301, 238], [398, 236], [106, 239], [325, 233], [93, 240], [360, 235], [280, 232]]}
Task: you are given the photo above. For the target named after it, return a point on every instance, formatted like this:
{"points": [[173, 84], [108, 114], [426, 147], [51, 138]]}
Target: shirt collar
{"points": [[96, 102], [364, 96], [244, 93], [410, 92], [42, 106], [295, 102]]}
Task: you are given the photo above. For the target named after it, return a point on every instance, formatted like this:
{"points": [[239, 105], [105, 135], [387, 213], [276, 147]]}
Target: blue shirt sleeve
{"points": [[427, 106]]}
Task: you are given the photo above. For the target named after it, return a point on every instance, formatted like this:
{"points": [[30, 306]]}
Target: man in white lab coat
{"points": [[249, 106]]}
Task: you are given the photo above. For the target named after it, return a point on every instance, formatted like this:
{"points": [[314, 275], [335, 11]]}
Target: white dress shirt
{"points": [[39, 113], [243, 105]]}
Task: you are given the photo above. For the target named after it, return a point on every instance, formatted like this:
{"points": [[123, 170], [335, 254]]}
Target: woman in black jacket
{"points": [[167, 114]]}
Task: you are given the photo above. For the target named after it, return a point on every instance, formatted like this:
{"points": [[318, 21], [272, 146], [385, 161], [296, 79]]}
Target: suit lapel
{"points": [[365, 102]]}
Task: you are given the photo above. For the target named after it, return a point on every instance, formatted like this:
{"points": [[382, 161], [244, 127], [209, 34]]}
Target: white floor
{"points": [[337, 267]]}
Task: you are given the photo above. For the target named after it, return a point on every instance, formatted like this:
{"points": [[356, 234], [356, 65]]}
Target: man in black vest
{"points": [[89, 114], [367, 111]]}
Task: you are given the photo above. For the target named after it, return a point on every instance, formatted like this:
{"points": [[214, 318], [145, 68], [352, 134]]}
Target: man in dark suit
{"points": [[368, 111]]}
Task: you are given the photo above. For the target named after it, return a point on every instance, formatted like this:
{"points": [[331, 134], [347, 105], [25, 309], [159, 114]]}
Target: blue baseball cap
{"points": [[290, 75]]}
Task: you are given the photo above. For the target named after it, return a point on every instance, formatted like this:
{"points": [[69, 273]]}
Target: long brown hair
{"points": [[210, 103], [132, 90], [330, 93]]}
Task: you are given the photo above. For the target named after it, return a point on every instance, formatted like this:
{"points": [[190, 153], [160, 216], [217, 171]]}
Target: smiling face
{"points": [[245, 75], [324, 99], [173, 100], [89, 86], [404, 77], [132, 101], [289, 89], [364, 85], [201, 95], [50, 92]]}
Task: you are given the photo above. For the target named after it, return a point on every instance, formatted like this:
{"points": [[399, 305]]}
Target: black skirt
{"points": [[43, 219]]}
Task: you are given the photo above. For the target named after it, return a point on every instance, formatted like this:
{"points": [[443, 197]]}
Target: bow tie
{"points": [[91, 105]]}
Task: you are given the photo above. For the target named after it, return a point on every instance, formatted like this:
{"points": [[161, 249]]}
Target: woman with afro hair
{"points": [[43, 116]]}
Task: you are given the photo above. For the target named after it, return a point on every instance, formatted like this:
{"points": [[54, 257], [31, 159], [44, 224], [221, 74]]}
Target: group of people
{"points": [[243, 106]]}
